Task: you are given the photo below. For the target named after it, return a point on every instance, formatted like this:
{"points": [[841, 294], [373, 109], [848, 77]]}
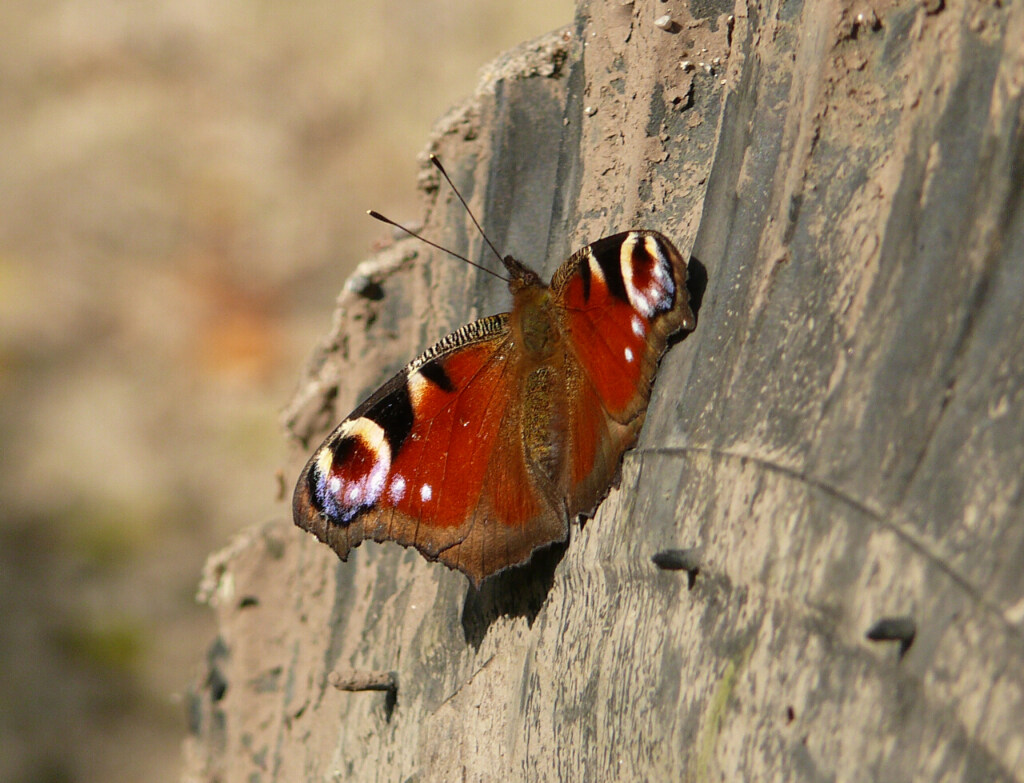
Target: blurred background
{"points": [[183, 188]]}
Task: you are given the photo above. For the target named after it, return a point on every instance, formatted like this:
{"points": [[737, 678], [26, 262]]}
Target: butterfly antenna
{"points": [[377, 216], [439, 167]]}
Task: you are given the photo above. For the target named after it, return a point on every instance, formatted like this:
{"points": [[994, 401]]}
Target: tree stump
{"points": [[836, 449]]}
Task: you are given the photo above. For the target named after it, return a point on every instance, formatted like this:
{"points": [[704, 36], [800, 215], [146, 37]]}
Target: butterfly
{"points": [[486, 446]]}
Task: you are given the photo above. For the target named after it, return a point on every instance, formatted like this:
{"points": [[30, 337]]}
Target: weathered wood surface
{"points": [[841, 439]]}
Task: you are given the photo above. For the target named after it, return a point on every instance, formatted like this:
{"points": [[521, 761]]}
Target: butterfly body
{"points": [[485, 447]]}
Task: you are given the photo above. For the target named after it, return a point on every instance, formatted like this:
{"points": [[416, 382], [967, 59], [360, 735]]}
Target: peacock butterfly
{"points": [[485, 447]]}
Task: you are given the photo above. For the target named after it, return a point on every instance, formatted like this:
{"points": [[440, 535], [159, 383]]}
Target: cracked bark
{"points": [[840, 439]]}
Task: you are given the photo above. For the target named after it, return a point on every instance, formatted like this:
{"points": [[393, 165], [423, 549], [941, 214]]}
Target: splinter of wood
{"points": [[894, 629], [351, 680], [687, 560]]}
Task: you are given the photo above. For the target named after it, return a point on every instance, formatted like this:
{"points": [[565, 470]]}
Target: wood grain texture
{"points": [[841, 438]]}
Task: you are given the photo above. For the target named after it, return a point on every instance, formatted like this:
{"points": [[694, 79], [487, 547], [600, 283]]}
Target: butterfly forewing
{"points": [[622, 296], [435, 460]]}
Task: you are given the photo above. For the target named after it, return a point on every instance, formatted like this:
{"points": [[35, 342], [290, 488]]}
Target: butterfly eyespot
{"points": [[647, 275], [350, 473], [396, 491]]}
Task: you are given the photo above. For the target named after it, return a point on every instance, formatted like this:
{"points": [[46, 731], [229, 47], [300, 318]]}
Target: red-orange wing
{"points": [[434, 459], [621, 298]]}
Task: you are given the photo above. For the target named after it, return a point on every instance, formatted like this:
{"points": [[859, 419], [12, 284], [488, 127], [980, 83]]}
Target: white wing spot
{"points": [[638, 327], [417, 385], [629, 355], [324, 460], [397, 490], [426, 492], [595, 268], [334, 484]]}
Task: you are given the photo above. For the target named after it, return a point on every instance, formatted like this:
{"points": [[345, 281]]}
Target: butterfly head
{"points": [[532, 319], [520, 276]]}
